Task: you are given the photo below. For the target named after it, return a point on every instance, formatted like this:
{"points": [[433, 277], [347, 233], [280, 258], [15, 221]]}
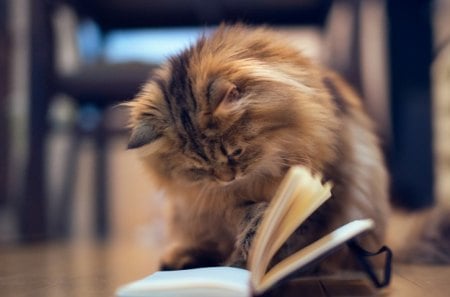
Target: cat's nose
{"points": [[224, 175]]}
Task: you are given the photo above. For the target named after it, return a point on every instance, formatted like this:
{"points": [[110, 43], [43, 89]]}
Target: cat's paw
{"points": [[238, 259], [190, 257], [244, 240]]}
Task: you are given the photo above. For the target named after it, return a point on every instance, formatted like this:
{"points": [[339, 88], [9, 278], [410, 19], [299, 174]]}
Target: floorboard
{"points": [[97, 270]]}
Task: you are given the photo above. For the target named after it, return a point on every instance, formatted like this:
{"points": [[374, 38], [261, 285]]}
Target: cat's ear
{"points": [[145, 132], [148, 114], [224, 96]]}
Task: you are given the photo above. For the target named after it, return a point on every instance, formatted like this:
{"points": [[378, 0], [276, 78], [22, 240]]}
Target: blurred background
{"points": [[65, 173]]}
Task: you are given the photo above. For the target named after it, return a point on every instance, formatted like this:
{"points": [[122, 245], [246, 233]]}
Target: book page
{"points": [[198, 282], [312, 252], [298, 196], [271, 221]]}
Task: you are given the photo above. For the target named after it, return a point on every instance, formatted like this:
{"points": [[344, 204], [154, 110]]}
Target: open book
{"points": [[298, 196]]}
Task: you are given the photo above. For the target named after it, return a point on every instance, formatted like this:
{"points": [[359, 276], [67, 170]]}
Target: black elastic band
{"points": [[362, 255]]}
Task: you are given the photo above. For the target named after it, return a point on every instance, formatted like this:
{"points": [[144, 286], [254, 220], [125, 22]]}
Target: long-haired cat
{"points": [[218, 125]]}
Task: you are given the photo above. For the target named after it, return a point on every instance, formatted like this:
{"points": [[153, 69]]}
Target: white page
{"points": [[298, 196], [199, 282]]}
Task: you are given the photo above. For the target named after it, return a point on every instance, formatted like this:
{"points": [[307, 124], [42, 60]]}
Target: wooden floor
{"points": [[87, 270]]}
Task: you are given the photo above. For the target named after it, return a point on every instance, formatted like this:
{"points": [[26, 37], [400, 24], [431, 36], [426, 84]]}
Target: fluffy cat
{"points": [[218, 125]]}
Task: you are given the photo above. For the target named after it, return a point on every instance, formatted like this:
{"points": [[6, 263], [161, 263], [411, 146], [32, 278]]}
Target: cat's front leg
{"points": [[248, 225], [198, 238], [187, 256]]}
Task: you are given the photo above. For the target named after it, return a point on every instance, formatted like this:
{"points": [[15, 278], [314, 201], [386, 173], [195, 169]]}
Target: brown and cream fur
{"points": [[218, 125]]}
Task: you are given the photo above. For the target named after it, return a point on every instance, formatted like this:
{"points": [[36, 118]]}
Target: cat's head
{"points": [[233, 105]]}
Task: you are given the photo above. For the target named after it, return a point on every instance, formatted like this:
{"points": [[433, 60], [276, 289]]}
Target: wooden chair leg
{"points": [[33, 201], [411, 155], [101, 175], [64, 211]]}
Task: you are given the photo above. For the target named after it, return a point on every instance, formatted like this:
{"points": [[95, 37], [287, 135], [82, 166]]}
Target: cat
{"points": [[218, 125]]}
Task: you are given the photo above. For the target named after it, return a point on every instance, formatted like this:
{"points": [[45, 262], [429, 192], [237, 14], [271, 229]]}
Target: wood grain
{"points": [[96, 270]]}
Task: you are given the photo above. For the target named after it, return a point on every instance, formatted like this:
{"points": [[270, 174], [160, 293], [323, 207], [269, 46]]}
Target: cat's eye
{"points": [[236, 152], [197, 173]]}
